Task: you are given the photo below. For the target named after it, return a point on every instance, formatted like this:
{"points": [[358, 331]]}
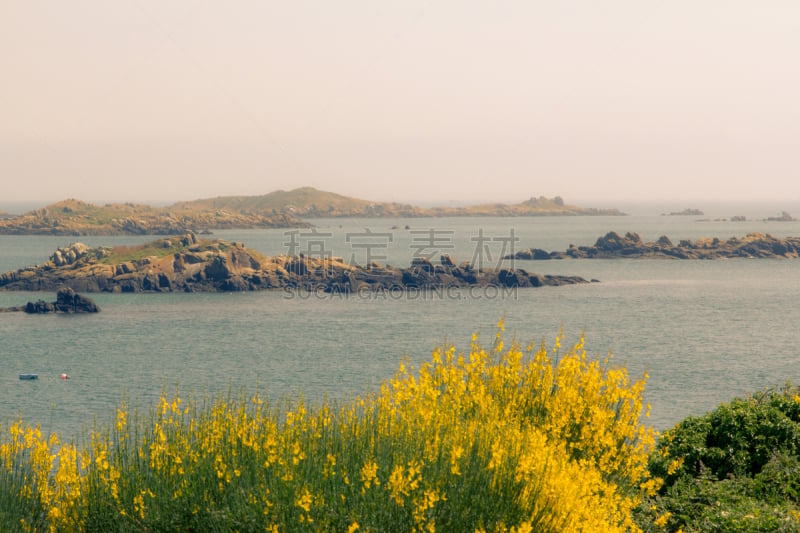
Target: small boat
{"points": [[29, 376]]}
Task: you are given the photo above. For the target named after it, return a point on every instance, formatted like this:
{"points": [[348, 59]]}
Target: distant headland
{"points": [[188, 264], [308, 202], [278, 209]]}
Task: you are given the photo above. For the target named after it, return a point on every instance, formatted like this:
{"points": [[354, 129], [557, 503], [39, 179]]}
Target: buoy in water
{"points": [[64, 375]]}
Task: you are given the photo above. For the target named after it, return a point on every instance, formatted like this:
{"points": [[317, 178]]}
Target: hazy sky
{"points": [[408, 100]]}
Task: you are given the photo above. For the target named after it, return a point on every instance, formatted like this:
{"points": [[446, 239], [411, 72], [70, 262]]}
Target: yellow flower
{"points": [[662, 520], [455, 455], [122, 418], [369, 474], [524, 527], [674, 466], [304, 500]]}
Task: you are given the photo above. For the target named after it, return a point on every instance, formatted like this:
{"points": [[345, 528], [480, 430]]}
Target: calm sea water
{"points": [[705, 331]]}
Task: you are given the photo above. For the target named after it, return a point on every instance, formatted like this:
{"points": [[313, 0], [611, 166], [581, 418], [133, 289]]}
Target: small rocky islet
{"points": [[67, 301], [188, 264], [613, 245]]}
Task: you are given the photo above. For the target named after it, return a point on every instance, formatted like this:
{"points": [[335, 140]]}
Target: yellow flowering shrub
{"points": [[505, 439]]}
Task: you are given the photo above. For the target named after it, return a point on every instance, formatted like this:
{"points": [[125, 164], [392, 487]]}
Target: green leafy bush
{"points": [[736, 468]]}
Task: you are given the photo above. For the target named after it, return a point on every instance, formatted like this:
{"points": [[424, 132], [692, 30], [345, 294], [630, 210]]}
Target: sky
{"points": [[420, 101]]}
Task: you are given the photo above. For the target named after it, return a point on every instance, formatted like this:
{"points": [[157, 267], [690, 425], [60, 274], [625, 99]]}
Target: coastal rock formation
{"points": [[186, 263], [612, 245], [67, 301]]}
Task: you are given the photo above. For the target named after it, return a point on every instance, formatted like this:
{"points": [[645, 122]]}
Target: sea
{"points": [[704, 332]]}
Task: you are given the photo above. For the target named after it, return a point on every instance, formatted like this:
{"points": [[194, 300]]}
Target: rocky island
{"points": [[74, 217], [613, 245], [186, 263]]}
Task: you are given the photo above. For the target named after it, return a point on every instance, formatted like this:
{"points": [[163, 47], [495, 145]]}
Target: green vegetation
{"points": [[158, 249], [68, 209], [735, 469], [124, 254]]}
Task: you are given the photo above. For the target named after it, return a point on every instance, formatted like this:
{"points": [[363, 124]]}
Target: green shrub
{"points": [[738, 438], [736, 468]]}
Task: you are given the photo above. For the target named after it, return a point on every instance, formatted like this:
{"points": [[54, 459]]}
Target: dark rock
{"points": [[422, 263], [150, 282], [68, 301], [447, 261], [610, 242], [297, 267], [535, 254], [163, 281], [235, 284], [508, 278], [410, 279], [217, 269], [177, 264], [40, 307]]}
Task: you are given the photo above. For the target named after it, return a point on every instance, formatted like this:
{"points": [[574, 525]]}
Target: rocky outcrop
{"points": [[612, 245], [188, 264], [69, 254], [67, 301]]}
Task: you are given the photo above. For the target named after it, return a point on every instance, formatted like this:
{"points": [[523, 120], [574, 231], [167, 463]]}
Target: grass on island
{"points": [[302, 199], [498, 439], [92, 214], [158, 249]]}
